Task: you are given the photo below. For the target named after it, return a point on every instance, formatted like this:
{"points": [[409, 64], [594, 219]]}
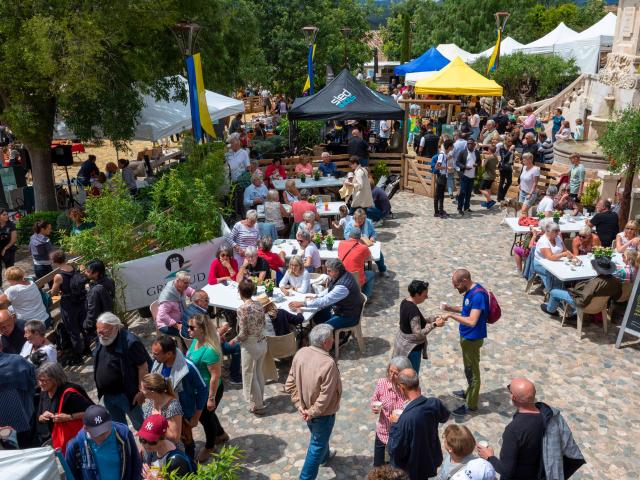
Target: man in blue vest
{"points": [[341, 304]]}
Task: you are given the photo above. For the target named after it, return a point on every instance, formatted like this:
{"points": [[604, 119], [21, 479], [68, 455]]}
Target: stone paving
{"points": [[594, 384]]}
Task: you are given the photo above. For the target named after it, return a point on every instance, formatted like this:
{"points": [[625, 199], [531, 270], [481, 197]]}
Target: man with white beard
{"points": [[120, 363]]}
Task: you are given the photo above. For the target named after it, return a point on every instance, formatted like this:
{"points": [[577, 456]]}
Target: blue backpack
{"points": [[185, 459], [434, 160]]}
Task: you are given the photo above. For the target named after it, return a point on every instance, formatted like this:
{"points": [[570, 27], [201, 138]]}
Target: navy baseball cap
{"points": [[97, 421]]}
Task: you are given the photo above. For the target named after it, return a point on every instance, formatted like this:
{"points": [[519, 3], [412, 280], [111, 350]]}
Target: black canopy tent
{"points": [[346, 98]]}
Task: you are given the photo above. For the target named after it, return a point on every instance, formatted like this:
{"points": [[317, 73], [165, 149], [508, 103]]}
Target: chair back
{"points": [[283, 346], [597, 305], [568, 243], [626, 292], [364, 303], [356, 275]]}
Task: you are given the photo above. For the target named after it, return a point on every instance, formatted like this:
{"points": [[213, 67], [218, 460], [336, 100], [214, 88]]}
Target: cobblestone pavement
{"points": [[593, 384]]}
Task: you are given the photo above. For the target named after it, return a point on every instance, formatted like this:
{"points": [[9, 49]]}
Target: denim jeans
{"points": [[451, 183], [374, 214], [415, 358], [380, 263], [320, 428], [234, 368], [550, 282], [379, 449], [556, 296], [118, 406], [464, 197], [336, 321], [370, 280], [173, 331]]}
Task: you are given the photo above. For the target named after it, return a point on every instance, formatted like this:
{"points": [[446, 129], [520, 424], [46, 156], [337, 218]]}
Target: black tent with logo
{"points": [[346, 98]]}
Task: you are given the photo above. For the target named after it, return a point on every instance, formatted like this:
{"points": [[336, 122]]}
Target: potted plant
{"points": [[303, 177], [313, 199], [556, 216], [269, 285], [329, 241], [603, 252], [541, 215], [317, 239], [316, 175], [590, 195]]}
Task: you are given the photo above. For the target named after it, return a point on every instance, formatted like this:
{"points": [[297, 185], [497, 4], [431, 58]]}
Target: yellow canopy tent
{"points": [[458, 78]]}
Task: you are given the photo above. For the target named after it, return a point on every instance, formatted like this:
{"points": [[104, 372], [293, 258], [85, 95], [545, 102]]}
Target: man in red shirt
{"points": [[298, 208], [353, 255]]}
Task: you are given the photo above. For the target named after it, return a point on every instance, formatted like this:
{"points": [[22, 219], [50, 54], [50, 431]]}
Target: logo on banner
{"points": [[175, 263], [344, 99]]}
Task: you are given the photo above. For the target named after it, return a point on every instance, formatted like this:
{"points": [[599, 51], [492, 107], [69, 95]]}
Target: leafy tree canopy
{"points": [[471, 23], [529, 78]]}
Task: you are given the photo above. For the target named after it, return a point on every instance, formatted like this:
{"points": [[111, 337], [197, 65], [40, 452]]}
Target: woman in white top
{"points": [[310, 253], [361, 197], [296, 278], [24, 296], [474, 123], [244, 234], [309, 223], [274, 211], [459, 462], [546, 204], [628, 239], [528, 183], [291, 193], [549, 247], [34, 332], [565, 132]]}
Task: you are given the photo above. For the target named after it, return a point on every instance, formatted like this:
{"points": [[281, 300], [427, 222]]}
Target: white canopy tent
{"points": [[451, 51], [412, 77], [507, 46], [547, 43], [160, 119]]}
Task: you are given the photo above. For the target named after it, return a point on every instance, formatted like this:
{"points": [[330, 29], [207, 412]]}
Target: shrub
{"points": [[380, 170], [307, 132], [25, 223], [270, 147], [223, 466]]}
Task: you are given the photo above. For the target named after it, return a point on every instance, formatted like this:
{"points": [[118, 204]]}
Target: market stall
{"points": [[424, 66]]}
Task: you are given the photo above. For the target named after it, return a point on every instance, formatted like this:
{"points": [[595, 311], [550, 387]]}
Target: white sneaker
{"points": [[516, 271]]}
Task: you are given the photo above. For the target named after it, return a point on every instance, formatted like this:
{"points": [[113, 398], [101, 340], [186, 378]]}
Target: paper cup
{"points": [[395, 415], [483, 443]]}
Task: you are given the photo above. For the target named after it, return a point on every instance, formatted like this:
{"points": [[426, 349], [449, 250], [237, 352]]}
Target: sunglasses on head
{"points": [[584, 237], [147, 442]]}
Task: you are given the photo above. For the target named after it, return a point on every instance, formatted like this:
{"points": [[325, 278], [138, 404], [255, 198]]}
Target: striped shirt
{"points": [[244, 236], [391, 399]]}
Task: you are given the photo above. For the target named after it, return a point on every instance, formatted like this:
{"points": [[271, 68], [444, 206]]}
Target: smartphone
{"points": [[294, 251]]}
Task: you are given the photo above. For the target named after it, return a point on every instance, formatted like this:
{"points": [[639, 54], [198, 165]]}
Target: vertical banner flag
{"points": [[193, 99], [494, 60], [310, 57], [205, 118]]}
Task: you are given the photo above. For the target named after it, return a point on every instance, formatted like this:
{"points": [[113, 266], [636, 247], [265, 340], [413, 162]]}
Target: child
{"points": [[557, 123], [345, 218], [460, 463], [627, 274], [579, 135]]}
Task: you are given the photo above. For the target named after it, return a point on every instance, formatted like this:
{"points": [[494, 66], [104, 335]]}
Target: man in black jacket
{"points": [[100, 297], [467, 162]]}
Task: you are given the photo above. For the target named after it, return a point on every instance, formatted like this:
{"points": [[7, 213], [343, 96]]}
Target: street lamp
{"points": [[345, 33], [186, 34], [310, 33]]}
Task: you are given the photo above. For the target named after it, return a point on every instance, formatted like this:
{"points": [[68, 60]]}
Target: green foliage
{"points": [[223, 466], [380, 170], [186, 203], [115, 214], [307, 132], [528, 78], [284, 47], [471, 23], [603, 252], [620, 140], [270, 146], [590, 193], [24, 226]]}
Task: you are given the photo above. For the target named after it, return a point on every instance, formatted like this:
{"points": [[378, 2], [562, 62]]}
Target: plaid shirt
{"points": [[391, 399]]}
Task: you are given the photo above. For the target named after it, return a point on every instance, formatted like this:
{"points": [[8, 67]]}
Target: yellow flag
{"points": [[205, 117], [495, 56], [307, 84]]}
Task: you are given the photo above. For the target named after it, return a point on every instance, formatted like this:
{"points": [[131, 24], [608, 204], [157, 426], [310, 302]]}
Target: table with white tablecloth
{"points": [[288, 247], [568, 225], [309, 183], [332, 209], [565, 271]]}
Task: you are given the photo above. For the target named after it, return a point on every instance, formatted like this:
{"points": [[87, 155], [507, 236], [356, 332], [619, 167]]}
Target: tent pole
{"points": [[405, 131]]}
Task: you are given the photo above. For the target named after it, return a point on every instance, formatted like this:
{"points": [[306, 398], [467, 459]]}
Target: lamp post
{"points": [[345, 33], [186, 34], [310, 33]]}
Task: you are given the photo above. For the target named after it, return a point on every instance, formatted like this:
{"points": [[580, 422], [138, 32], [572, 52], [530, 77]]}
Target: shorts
{"points": [[522, 198], [486, 184], [521, 251]]}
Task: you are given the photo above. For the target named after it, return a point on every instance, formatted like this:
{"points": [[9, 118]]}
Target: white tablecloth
{"points": [[567, 272], [566, 226], [228, 298], [332, 211], [288, 245], [311, 183]]}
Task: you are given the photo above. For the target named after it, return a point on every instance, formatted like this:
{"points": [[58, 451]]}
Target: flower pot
{"points": [[269, 293], [303, 180], [329, 246], [557, 220], [318, 244]]}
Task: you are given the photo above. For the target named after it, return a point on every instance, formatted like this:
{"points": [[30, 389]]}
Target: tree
{"points": [[91, 62], [529, 78], [284, 45], [621, 142]]}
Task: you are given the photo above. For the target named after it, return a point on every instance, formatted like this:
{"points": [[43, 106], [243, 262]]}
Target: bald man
{"points": [[522, 451], [472, 316], [11, 332]]}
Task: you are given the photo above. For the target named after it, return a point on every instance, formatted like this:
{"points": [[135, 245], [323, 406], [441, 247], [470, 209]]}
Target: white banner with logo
{"points": [[143, 279]]}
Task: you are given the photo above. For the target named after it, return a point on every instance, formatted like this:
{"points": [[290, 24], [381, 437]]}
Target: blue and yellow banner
{"points": [[310, 57], [200, 118], [495, 56]]}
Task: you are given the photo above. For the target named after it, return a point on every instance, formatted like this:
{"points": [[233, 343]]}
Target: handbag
{"points": [[65, 431]]}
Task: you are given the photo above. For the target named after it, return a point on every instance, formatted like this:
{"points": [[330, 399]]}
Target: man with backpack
{"points": [[100, 297], [472, 316], [70, 283]]}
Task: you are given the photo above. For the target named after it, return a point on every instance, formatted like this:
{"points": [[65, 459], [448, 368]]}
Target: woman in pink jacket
{"points": [[171, 304]]}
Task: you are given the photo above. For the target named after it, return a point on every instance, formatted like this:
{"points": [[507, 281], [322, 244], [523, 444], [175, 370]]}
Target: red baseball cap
{"points": [[153, 427]]}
